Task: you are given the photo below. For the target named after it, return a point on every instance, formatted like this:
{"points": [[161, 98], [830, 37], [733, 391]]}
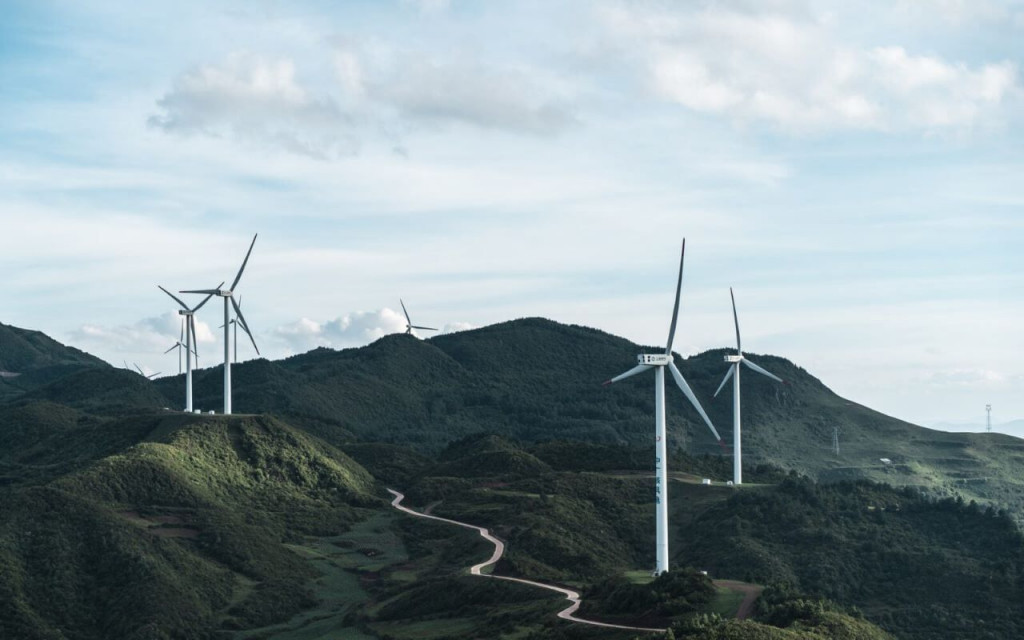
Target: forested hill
{"points": [[536, 380], [29, 359]]}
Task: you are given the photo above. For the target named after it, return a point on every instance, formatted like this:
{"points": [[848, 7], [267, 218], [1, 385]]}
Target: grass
{"points": [[639, 576], [369, 547], [726, 602], [425, 629]]}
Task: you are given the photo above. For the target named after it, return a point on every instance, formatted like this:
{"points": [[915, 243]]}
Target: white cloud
{"points": [[790, 68], [354, 329], [252, 98], [376, 90], [455, 327], [447, 91], [155, 333]]}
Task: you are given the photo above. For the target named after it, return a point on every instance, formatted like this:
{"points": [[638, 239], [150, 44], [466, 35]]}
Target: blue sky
{"points": [[853, 170]]}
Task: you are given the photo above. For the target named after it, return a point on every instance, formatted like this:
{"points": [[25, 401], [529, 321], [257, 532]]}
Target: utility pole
{"points": [[988, 417]]}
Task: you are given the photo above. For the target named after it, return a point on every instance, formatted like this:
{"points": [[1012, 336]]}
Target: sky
{"points": [[852, 170]]}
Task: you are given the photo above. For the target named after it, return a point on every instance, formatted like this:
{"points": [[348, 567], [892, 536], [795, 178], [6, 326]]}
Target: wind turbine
{"points": [[659, 362], [409, 326], [234, 324], [228, 296], [143, 373], [191, 344], [179, 345], [734, 372]]}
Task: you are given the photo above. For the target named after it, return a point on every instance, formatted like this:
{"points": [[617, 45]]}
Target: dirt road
{"points": [[499, 548], [751, 592]]}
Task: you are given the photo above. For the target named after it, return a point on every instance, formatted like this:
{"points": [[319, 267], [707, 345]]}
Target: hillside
{"points": [[174, 530], [537, 380], [29, 359], [272, 523]]}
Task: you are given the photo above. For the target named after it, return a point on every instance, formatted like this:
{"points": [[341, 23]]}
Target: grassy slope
{"points": [[180, 532]]}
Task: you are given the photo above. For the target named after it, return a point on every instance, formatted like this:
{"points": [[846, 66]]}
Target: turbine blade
{"points": [[181, 334], [736, 320], [675, 308], [761, 370], [207, 298], [244, 324], [240, 270], [176, 298], [150, 377], [688, 392], [177, 346], [195, 341], [408, 320], [209, 291], [426, 328], [632, 372], [139, 368], [728, 374]]}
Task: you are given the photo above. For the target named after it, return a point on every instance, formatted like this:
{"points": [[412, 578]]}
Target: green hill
{"points": [[30, 359], [177, 534], [535, 380], [121, 519]]}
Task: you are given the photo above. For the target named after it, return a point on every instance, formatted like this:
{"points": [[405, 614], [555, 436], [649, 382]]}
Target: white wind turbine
{"points": [[734, 372], [147, 376], [179, 345], [228, 296], [234, 325], [409, 326], [191, 344], [659, 362]]}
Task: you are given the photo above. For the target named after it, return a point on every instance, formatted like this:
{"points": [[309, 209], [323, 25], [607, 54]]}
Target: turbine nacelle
{"points": [[732, 358], [654, 359]]}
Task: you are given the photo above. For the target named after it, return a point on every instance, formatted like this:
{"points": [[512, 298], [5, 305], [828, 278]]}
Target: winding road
{"points": [[499, 548]]}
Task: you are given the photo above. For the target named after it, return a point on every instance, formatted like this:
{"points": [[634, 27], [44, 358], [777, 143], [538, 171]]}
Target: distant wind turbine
{"points": [[228, 296], [191, 343], [409, 326], [734, 372], [142, 373], [659, 362], [179, 345], [234, 326]]}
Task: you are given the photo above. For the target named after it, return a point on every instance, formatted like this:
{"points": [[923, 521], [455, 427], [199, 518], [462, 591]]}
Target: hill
{"points": [[29, 359], [536, 380], [272, 523], [177, 533]]}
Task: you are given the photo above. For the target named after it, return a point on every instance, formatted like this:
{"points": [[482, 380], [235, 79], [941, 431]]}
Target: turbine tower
{"points": [[658, 362], [228, 296], [191, 344], [988, 417], [734, 372], [409, 326]]}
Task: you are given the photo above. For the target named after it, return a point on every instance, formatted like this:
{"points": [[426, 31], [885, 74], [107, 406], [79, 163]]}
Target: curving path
{"points": [[499, 548]]}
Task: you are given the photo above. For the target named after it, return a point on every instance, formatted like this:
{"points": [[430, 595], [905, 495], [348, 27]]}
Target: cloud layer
{"points": [[790, 67], [350, 330]]}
